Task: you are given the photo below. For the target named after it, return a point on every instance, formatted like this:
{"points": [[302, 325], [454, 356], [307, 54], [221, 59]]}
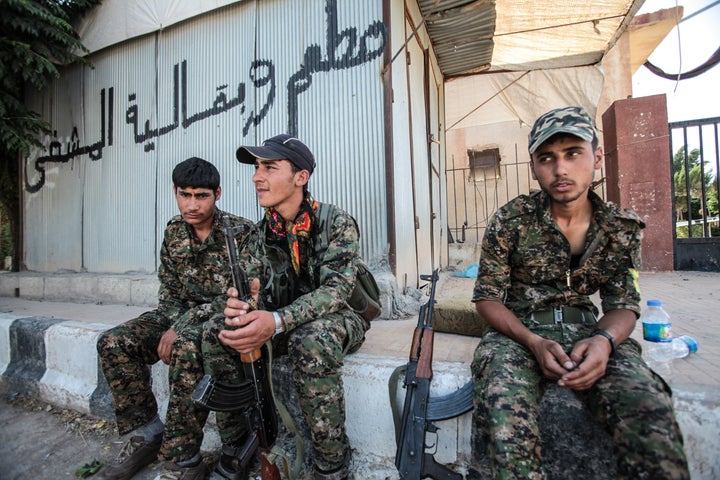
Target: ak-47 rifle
{"points": [[412, 461], [254, 394]]}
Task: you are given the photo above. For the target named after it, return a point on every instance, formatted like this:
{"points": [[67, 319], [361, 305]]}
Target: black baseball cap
{"points": [[279, 147]]}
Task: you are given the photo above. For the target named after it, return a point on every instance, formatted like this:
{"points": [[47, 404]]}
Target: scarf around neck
{"points": [[293, 230]]}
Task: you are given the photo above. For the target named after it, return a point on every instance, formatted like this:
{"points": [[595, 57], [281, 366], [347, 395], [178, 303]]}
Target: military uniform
{"points": [[320, 328], [194, 278], [526, 264]]}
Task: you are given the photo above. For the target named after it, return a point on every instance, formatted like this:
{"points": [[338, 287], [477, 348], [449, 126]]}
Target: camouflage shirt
{"points": [[194, 276], [321, 288], [526, 264]]}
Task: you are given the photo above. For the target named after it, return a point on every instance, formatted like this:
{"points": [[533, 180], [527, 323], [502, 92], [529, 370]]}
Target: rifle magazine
{"points": [[451, 405]]}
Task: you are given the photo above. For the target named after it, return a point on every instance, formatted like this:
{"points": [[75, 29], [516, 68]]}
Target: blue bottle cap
{"points": [[690, 342], [654, 303]]}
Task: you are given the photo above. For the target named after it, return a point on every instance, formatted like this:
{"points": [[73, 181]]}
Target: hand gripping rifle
{"points": [[412, 461], [254, 394]]}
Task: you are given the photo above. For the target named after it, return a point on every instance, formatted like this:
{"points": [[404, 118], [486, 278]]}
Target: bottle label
{"points": [[657, 332]]}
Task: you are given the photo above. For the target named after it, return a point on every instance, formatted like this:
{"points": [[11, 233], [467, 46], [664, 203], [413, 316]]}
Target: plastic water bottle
{"points": [[683, 346], [657, 333]]}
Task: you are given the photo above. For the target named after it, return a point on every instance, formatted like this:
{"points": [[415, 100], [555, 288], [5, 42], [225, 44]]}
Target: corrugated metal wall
{"points": [[98, 201]]}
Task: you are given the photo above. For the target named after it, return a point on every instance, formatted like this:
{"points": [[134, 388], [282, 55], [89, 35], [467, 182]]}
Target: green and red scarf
{"points": [[294, 230]]}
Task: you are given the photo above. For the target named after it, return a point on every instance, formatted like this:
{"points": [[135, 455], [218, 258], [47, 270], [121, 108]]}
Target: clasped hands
{"points": [[580, 370]]}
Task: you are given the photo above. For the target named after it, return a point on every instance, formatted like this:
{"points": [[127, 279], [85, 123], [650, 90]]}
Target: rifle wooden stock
{"points": [[415, 346], [424, 366], [268, 471], [251, 357]]}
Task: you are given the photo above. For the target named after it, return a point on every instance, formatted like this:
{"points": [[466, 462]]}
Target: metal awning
{"points": [[473, 36]]}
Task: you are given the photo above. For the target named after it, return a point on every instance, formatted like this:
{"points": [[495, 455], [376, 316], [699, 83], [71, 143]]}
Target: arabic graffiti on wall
{"points": [[262, 73], [343, 50], [356, 53]]}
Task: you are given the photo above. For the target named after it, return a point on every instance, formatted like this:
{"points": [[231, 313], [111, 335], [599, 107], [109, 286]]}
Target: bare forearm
{"points": [[618, 323], [501, 319]]}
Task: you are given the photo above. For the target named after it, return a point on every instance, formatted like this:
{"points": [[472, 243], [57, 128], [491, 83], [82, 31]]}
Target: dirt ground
{"points": [[41, 442]]}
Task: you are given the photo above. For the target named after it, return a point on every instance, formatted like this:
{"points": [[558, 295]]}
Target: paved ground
{"points": [[41, 442]]}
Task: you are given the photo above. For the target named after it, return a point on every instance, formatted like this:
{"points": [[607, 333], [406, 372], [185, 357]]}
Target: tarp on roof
{"points": [[472, 36], [519, 96], [114, 21]]}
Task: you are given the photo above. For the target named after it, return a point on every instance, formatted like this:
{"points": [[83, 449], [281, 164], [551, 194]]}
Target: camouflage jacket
{"points": [[321, 288], [525, 260], [194, 276]]}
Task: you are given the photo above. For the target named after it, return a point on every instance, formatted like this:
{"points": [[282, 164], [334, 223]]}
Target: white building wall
{"points": [[419, 164]]}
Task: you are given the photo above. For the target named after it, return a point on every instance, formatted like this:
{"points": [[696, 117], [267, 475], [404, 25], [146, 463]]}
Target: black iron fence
{"points": [[475, 194], [695, 159], [695, 165]]}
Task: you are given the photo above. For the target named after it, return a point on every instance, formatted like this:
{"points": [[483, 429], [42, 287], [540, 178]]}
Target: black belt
{"points": [[559, 315]]}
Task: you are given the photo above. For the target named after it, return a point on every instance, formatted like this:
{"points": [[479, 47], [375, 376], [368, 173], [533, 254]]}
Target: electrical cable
{"points": [[707, 65]]}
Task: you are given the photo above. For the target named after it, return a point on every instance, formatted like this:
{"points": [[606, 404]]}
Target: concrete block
{"points": [[144, 291], [370, 419], [27, 353], [699, 420], [5, 323], [114, 289], [43, 356], [32, 286], [386, 285], [79, 288], [71, 373], [8, 284]]}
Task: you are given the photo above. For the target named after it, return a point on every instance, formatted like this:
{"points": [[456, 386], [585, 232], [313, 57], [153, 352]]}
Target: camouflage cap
{"points": [[572, 120]]}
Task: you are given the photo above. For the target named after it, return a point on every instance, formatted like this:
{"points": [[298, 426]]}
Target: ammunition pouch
{"points": [[281, 286], [365, 297]]}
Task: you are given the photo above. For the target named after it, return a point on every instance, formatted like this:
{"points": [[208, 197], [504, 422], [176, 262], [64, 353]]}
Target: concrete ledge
{"points": [[141, 289], [123, 289]]}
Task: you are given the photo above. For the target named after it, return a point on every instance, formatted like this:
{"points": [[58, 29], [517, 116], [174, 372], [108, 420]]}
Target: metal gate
{"points": [[695, 163]]}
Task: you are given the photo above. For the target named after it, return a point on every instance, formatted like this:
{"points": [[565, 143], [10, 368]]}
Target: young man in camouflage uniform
{"points": [[313, 322], [542, 256], [193, 276]]}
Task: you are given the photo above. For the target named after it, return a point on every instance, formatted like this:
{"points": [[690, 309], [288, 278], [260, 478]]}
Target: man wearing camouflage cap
{"points": [[305, 310], [543, 255]]}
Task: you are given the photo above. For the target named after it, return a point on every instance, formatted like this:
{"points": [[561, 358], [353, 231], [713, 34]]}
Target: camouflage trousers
{"points": [[126, 353], [632, 402], [316, 352]]}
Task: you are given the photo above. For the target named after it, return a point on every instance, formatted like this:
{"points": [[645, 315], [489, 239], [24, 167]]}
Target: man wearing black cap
{"points": [[310, 313], [543, 255]]}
